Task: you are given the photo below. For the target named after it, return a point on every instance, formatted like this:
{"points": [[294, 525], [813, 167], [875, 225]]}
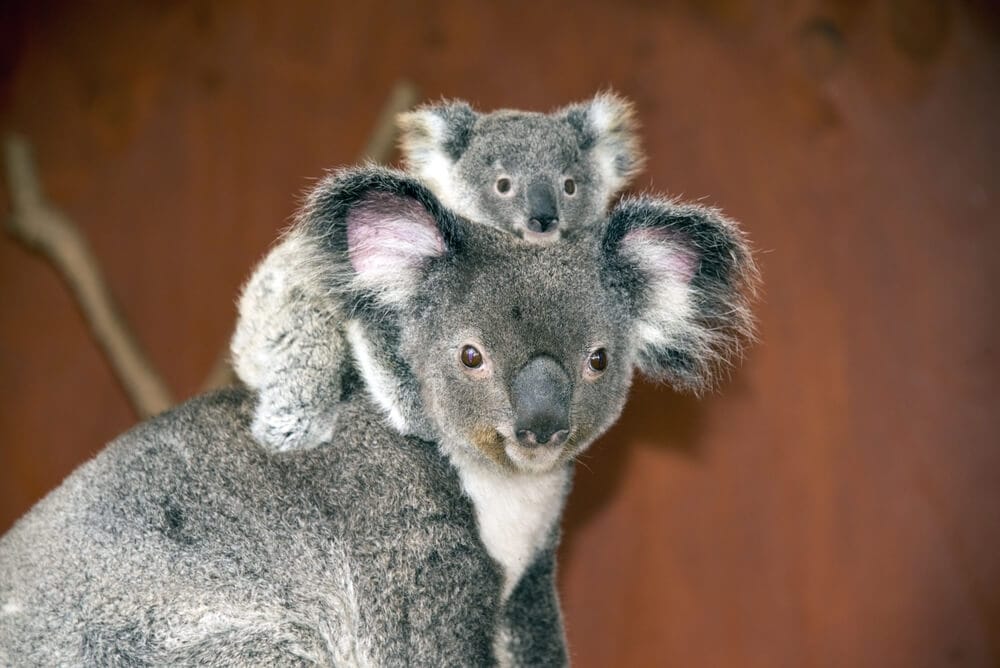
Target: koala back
{"points": [[184, 542]]}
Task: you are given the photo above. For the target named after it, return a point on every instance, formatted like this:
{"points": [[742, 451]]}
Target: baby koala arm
{"points": [[290, 346]]}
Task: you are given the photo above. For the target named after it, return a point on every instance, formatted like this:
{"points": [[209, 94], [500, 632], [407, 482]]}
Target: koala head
{"points": [[506, 374], [533, 174]]}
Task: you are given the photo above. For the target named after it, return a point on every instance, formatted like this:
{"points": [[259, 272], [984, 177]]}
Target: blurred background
{"points": [[837, 503]]}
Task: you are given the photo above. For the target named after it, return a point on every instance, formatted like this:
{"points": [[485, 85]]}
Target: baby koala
{"points": [[538, 176]]}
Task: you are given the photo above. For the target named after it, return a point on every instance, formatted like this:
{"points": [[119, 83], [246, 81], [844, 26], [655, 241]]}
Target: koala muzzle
{"points": [[541, 394], [543, 215]]}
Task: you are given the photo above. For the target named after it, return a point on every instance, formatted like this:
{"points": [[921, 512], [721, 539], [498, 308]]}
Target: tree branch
{"points": [[46, 230], [43, 228]]}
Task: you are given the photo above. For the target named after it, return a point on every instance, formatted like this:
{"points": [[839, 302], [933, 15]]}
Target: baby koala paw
{"points": [[281, 426]]}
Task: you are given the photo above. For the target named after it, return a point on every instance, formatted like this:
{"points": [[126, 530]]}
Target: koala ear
{"points": [[434, 137], [689, 276], [378, 229], [606, 127]]}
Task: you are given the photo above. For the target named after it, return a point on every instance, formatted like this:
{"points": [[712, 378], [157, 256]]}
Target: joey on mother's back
{"points": [[539, 176], [186, 541]]}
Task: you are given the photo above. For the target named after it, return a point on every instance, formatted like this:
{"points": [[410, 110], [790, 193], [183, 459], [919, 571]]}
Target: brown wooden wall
{"points": [[836, 504]]}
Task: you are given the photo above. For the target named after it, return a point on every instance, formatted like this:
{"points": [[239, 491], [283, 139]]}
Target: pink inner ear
{"points": [[388, 232], [664, 252]]}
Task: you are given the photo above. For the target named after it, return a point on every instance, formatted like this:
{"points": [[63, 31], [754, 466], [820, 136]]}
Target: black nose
{"points": [[541, 394], [530, 439], [543, 215], [542, 224]]}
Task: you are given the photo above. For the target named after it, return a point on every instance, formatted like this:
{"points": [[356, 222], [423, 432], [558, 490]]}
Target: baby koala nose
{"points": [[543, 224], [531, 439], [543, 212]]}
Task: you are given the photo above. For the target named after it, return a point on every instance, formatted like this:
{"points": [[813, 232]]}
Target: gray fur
{"points": [[461, 153], [289, 342], [186, 542], [289, 345]]}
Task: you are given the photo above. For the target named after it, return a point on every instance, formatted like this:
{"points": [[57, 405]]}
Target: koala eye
{"points": [[471, 357], [569, 186], [504, 185], [598, 360]]}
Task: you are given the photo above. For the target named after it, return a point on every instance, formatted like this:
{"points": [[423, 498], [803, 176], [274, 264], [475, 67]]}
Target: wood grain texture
{"points": [[836, 504]]}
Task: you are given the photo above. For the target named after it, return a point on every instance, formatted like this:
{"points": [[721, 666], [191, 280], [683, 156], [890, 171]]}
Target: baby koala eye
{"points": [[504, 185], [569, 186], [471, 357], [598, 360]]}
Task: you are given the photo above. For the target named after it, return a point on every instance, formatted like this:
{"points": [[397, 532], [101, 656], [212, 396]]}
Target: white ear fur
{"points": [[610, 129], [431, 139], [697, 279], [669, 268], [383, 387], [389, 238], [421, 139]]}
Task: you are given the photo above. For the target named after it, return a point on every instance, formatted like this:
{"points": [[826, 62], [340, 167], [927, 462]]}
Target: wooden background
{"points": [[836, 504]]}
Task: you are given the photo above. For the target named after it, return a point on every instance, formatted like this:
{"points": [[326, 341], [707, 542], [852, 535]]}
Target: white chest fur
{"points": [[516, 514]]}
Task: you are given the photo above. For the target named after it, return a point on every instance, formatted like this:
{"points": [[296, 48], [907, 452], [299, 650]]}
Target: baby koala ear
{"points": [[379, 228], [689, 275], [434, 137], [607, 129]]}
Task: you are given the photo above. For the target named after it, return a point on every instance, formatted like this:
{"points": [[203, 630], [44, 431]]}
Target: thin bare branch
{"points": [[43, 228], [383, 138], [40, 226]]}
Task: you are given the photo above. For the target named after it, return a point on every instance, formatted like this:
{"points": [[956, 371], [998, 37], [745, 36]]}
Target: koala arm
{"points": [[439, 603], [289, 345], [532, 620]]}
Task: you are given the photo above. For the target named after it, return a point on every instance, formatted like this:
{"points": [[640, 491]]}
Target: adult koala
{"points": [[185, 541], [539, 176]]}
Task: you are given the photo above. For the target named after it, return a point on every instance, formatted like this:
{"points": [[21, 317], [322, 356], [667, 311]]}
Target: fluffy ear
{"points": [[433, 138], [689, 275], [606, 127], [378, 229]]}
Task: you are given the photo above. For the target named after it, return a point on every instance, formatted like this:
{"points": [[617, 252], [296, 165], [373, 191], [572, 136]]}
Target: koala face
{"points": [[510, 375], [527, 359], [536, 175]]}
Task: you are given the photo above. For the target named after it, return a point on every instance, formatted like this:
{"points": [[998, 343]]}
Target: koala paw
{"points": [[281, 427]]}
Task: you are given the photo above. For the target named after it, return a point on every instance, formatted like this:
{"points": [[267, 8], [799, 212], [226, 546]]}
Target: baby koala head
{"points": [[507, 374], [537, 175]]}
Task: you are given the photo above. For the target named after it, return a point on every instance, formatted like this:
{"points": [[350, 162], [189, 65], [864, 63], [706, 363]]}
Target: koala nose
{"points": [[530, 439], [543, 215], [542, 224], [541, 394]]}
